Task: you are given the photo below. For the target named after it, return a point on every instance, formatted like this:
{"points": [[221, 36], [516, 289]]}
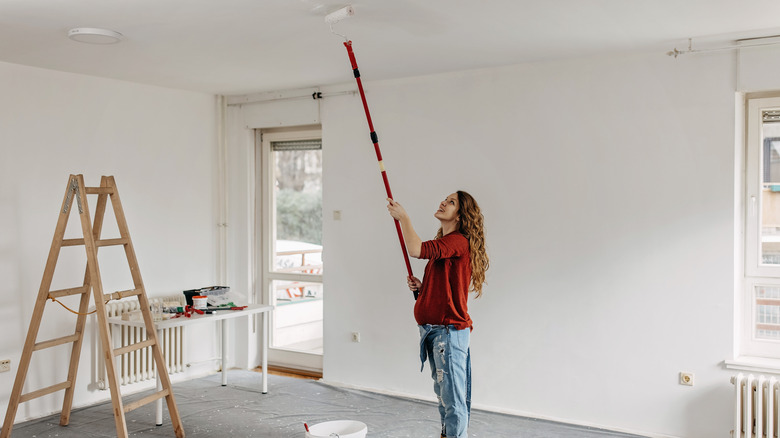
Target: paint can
{"points": [[200, 302], [338, 429]]}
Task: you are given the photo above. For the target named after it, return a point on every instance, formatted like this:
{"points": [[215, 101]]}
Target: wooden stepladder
{"points": [[76, 191]]}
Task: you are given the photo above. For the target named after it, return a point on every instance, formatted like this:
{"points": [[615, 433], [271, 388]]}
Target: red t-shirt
{"points": [[444, 294]]}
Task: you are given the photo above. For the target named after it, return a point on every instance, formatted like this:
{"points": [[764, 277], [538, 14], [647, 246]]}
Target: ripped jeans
{"points": [[447, 351]]}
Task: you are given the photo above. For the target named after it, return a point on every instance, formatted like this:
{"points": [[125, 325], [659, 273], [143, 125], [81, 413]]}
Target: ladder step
{"points": [[122, 294], [133, 347], [44, 391], [67, 292], [146, 400], [54, 342], [98, 243], [99, 190], [111, 242]]}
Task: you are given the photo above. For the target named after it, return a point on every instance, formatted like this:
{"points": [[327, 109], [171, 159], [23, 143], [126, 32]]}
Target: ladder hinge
{"points": [[74, 188]]}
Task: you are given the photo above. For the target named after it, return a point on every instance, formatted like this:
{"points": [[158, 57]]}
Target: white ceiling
{"points": [[245, 46]]}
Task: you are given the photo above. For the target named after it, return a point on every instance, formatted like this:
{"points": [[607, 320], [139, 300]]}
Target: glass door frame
{"points": [[265, 230]]}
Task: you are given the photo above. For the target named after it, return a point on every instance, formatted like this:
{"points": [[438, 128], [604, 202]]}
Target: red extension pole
{"points": [[375, 140]]}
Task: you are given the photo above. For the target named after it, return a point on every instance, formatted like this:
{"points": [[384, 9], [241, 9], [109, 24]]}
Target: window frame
{"points": [[755, 273], [754, 171]]}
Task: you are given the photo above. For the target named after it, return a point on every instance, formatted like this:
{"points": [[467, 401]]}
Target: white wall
{"points": [[607, 186], [160, 144]]}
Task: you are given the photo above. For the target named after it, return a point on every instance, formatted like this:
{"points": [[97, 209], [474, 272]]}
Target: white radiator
{"points": [[755, 406], [137, 366]]}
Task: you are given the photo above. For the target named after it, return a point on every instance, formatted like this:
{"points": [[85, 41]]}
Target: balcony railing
{"points": [[295, 289]]}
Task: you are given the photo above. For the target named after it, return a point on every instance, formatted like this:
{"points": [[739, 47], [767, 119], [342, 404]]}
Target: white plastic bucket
{"points": [[338, 429]]}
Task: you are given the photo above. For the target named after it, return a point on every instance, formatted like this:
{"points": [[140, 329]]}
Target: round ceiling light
{"points": [[92, 35]]}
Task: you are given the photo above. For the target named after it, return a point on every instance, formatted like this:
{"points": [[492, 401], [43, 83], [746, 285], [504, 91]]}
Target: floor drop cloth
{"points": [[240, 410]]}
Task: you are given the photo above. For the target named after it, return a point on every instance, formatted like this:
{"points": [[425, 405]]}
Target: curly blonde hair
{"points": [[471, 225]]}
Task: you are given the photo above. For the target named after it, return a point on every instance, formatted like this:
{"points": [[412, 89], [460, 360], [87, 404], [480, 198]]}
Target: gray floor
{"points": [[241, 410]]}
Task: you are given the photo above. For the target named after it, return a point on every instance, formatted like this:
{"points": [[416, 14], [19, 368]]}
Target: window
{"points": [[292, 265], [760, 313]]}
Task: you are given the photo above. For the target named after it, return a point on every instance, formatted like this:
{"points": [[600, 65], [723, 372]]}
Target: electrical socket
{"points": [[5, 365], [355, 336], [686, 379]]}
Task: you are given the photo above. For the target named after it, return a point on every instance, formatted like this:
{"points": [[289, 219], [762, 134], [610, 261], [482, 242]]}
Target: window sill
{"points": [[754, 364]]}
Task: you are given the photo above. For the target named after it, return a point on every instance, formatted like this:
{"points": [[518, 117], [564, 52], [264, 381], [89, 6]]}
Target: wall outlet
{"points": [[336, 215], [355, 336], [686, 379], [5, 365]]}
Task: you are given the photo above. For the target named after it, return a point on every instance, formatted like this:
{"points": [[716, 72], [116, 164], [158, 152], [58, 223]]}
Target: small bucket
{"points": [[338, 429], [200, 302]]}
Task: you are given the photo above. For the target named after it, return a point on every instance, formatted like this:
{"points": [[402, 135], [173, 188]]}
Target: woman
{"points": [[457, 262]]}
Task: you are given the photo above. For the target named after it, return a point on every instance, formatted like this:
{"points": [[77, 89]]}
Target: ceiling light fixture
{"points": [[93, 35]]}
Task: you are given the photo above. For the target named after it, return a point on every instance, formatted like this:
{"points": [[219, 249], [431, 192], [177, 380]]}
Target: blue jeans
{"points": [[447, 351]]}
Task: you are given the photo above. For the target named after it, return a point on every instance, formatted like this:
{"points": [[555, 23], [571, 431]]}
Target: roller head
{"points": [[340, 14]]}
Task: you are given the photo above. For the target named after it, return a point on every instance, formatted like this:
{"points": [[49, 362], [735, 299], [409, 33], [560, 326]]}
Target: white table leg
{"points": [[264, 315], [159, 384], [224, 352]]}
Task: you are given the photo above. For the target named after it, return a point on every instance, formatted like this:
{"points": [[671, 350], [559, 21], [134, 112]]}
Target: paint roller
{"points": [[331, 19], [336, 16]]}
